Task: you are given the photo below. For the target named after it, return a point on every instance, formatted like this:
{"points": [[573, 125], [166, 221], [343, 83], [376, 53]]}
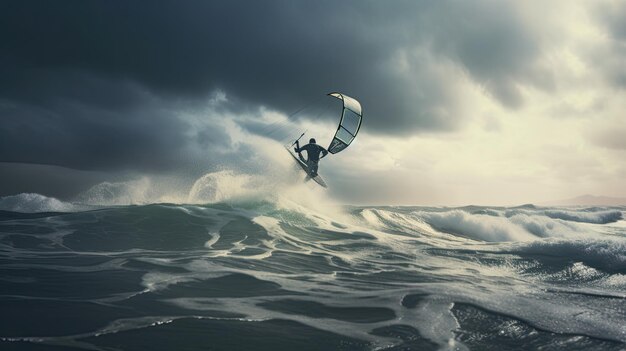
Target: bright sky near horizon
{"points": [[482, 102]]}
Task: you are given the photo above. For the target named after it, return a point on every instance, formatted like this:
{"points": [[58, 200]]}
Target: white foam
{"points": [[436, 322], [584, 215], [215, 237], [155, 281], [227, 186], [133, 192], [617, 281], [33, 203], [596, 217], [372, 218], [542, 226], [478, 227]]}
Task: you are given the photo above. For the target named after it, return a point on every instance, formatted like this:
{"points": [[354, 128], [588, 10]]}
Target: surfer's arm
{"points": [[324, 153], [306, 148], [297, 148]]}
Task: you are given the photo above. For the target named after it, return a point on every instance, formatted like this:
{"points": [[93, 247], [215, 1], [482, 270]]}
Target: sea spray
{"points": [[33, 203]]}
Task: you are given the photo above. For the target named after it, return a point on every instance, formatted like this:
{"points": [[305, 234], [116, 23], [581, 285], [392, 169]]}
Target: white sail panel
{"points": [[349, 124]]}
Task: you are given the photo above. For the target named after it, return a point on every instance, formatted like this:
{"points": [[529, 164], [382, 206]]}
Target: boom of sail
{"points": [[349, 124]]}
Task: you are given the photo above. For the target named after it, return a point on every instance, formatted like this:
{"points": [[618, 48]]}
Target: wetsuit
{"points": [[313, 152]]}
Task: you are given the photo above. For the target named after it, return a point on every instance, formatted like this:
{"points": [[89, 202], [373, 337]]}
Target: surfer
{"points": [[349, 125], [313, 152]]}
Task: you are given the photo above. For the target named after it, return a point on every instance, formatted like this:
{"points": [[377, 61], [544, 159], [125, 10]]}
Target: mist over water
{"points": [[236, 261]]}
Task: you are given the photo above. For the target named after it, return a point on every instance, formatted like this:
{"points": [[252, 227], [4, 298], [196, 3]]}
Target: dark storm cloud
{"points": [[96, 84], [83, 137], [97, 124], [278, 53], [492, 42]]}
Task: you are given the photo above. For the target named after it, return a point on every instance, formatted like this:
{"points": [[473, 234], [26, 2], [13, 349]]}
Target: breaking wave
{"points": [[33, 203], [584, 215], [239, 256]]}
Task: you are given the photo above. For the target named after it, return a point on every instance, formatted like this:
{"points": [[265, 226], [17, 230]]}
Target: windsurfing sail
{"points": [[349, 124]]}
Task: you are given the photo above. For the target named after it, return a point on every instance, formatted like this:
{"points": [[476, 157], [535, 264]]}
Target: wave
{"points": [[33, 203], [394, 221], [601, 217], [478, 227], [493, 228], [589, 215], [213, 187], [518, 224], [293, 257], [605, 254], [135, 192]]}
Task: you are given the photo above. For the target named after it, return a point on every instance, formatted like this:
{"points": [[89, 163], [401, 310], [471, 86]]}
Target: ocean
{"points": [[276, 274]]}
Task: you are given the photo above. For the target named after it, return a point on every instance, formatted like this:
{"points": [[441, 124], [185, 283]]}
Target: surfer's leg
{"points": [[313, 168]]}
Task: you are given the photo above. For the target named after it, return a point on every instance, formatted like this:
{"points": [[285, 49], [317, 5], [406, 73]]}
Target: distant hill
{"points": [[588, 200]]}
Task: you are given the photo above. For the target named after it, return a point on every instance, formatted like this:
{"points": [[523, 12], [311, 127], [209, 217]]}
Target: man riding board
{"points": [[313, 152]]}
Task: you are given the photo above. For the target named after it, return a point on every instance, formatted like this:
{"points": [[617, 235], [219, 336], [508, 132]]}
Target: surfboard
{"points": [[304, 167]]}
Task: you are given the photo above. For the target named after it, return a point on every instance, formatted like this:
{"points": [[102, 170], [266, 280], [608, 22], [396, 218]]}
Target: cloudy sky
{"points": [[465, 102]]}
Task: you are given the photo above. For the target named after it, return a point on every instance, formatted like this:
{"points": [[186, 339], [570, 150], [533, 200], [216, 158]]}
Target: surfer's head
{"points": [[312, 141]]}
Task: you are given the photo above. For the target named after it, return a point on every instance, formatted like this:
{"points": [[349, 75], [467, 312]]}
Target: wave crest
{"points": [[592, 215], [33, 203], [477, 227]]}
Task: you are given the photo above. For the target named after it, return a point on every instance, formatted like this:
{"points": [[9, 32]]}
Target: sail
{"points": [[349, 124]]}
